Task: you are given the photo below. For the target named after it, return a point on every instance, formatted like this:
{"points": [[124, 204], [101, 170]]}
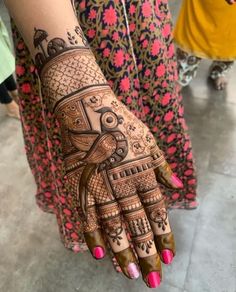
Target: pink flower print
{"points": [[103, 44], [155, 129], [168, 116], [146, 86], [105, 32], [145, 44], [129, 100], [109, 16], [190, 156], [166, 30], [146, 110], [160, 70], [171, 138], [164, 84], [190, 196], [20, 70], [156, 97], [106, 52], [175, 196], [146, 9], [115, 36], [25, 87], [166, 99], [152, 27], [48, 194], [186, 145], [171, 150], [119, 58], [62, 200], [171, 51], [53, 167], [69, 225], [132, 27], [76, 248], [140, 66], [74, 236], [147, 72], [92, 14], [188, 172], [132, 9], [127, 57], [136, 83], [155, 48], [91, 33], [82, 5], [124, 84], [181, 111], [67, 212], [43, 184], [173, 165]]}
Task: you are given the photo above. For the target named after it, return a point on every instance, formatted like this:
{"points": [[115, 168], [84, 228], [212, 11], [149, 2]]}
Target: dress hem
{"points": [[203, 55]]}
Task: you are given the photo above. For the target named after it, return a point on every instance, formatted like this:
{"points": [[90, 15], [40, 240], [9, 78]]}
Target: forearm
{"points": [[56, 17]]}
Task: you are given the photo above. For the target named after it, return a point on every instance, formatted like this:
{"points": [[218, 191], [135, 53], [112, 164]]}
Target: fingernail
{"points": [[154, 279], [98, 252], [133, 271], [167, 256], [176, 181]]}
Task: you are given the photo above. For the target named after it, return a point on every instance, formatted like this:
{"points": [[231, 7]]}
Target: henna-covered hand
{"points": [[111, 159]]}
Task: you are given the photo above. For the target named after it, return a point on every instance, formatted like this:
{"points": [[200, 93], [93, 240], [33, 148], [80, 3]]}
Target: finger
{"points": [[124, 179], [113, 227], [163, 172], [155, 208], [142, 238], [91, 227], [92, 231]]}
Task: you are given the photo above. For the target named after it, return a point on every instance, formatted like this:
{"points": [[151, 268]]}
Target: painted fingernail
{"points": [[167, 256], [154, 279], [176, 181], [98, 252], [133, 271]]}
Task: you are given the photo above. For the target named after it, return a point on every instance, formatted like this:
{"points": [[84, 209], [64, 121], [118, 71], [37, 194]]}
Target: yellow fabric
{"points": [[207, 29]]}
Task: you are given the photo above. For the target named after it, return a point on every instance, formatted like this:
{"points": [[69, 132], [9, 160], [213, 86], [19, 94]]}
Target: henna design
{"points": [[114, 229], [159, 216], [146, 245], [80, 33], [105, 146], [56, 45]]}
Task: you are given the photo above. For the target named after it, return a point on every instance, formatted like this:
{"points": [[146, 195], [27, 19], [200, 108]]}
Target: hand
{"points": [[111, 160]]}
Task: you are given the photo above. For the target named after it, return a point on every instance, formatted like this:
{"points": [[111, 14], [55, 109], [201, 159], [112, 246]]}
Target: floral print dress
{"points": [[132, 43]]}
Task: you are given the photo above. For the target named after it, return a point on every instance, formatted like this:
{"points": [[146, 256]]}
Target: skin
{"points": [[96, 190]]}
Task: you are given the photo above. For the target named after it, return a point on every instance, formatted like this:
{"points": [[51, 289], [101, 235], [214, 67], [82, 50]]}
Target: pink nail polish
{"points": [[176, 181], [154, 279], [133, 271], [98, 252], [167, 256]]}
